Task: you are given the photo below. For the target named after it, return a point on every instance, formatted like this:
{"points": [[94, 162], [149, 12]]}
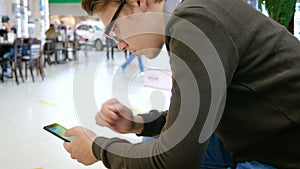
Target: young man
{"points": [[6, 51], [219, 50]]}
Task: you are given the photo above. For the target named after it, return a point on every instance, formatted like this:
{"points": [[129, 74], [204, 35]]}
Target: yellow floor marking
{"points": [[48, 103]]}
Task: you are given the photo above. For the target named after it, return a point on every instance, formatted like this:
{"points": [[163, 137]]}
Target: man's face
{"points": [[140, 32]]}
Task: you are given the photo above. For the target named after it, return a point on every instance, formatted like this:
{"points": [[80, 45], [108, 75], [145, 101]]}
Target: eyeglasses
{"points": [[113, 20]]}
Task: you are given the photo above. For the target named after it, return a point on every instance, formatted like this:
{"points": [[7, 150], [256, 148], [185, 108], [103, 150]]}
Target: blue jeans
{"points": [[217, 157], [5, 56], [253, 165]]}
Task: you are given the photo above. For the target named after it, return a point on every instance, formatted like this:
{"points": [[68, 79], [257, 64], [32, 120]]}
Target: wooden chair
{"points": [[59, 51], [18, 50], [49, 49], [33, 57], [70, 47]]}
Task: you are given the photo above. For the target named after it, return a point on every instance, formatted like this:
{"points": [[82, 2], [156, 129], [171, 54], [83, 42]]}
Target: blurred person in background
{"points": [[110, 45], [51, 33], [130, 59], [50, 45], [5, 27], [6, 51]]}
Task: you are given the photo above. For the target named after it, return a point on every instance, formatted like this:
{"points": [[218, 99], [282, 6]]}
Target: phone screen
{"points": [[58, 131]]}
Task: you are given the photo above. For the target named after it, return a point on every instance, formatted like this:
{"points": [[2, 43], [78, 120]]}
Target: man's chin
{"points": [[150, 54]]}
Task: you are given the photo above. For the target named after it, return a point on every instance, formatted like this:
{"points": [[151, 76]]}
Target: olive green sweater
{"points": [[221, 50]]}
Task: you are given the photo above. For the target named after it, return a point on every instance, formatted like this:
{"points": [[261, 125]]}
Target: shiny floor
{"points": [[71, 95]]}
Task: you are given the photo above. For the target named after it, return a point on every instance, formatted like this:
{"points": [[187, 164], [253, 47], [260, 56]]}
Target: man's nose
{"points": [[122, 45]]}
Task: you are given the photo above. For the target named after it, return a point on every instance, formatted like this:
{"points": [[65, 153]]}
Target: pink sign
{"points": [[158, 78]]}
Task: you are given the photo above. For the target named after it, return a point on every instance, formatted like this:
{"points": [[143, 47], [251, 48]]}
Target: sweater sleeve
{"points": [[153, 123], [196, 104]]}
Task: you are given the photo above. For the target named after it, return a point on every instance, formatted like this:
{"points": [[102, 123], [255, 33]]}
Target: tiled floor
{"points": [[70, 95]]}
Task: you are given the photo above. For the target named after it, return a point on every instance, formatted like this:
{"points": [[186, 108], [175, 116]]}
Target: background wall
{"points": [[30, 17], [66, 7], [5, 8]]}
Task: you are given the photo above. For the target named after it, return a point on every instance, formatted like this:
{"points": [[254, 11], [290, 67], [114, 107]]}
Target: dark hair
{"points": [[91, 6]]}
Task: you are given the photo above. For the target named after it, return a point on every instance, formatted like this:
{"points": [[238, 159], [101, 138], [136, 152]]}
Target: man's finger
{"points": [[72, 131], [108, 115], [67, 146], [100, 121]]}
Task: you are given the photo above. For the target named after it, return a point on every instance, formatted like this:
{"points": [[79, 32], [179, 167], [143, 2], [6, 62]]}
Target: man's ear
{"points": [[139, 3]]}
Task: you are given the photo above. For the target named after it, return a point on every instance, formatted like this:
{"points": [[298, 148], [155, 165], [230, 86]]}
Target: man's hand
{"points": [[119, 118], [81, 147]]}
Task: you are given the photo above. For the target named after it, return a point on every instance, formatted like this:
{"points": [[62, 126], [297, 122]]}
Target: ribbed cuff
{"points": [[100, 146], [97, 147], [153, 123]]}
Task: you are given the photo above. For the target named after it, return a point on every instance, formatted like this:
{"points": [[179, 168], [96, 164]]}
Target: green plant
{"points": [[281, 11]]}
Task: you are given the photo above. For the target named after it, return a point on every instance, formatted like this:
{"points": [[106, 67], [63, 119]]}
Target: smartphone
{"points": [[58, 130]]}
